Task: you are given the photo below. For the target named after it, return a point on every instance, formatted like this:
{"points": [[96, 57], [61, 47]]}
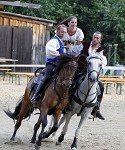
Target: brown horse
{"points": [[53, 101]]}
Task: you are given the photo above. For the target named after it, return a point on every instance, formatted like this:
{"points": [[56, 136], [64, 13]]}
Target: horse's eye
{"points": [[89, 63], [100, 65]]}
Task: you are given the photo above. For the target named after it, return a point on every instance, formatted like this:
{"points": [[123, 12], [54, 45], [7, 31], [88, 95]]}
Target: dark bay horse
{"points": [[53, 101]]}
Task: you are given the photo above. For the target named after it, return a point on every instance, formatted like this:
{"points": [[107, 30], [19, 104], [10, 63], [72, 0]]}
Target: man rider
{"points": [[88, 48], [54, 48]]}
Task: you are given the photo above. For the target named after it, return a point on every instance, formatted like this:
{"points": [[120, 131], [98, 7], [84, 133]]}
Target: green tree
{"points": [[106, 16]]}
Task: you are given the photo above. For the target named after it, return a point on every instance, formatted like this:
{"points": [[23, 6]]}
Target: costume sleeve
{"points": [[80, 35], [104, 59], [51, 48], [75, 49]]}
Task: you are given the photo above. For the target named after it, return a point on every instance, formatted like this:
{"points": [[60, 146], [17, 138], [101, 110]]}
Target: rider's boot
{"points": [[36, 95], [96, 110], [70, 107]]}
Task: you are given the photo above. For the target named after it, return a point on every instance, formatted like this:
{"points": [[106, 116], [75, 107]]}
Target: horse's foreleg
{"points": [[55, 126], [50, 124], [36, 127], [43, 120], [60, 122], [84, 116], [65, 118]]}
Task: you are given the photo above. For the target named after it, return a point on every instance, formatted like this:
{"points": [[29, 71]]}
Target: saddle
{"points": [[76, 83], [48, 82]]}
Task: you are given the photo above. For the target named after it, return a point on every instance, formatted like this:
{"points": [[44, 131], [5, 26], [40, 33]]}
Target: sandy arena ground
{"points": [[97, 135]]}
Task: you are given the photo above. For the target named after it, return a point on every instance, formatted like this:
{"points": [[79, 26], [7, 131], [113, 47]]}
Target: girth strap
{"points": [[90, 104], [77, 100]]}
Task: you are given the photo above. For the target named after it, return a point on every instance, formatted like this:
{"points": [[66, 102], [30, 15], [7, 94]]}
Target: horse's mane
{"points": [[63, 59]]}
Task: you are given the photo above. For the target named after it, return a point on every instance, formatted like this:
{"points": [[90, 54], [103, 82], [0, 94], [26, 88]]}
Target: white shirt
{"points": [[78, 36], [51, 48], [93, 51]]}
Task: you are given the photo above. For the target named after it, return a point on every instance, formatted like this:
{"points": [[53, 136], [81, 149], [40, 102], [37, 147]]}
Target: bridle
{"points": [[89, 104], [65, 91], [98, 72], [73, 66]]}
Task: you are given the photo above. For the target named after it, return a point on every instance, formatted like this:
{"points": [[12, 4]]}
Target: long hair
{"points": [[65, 22]]}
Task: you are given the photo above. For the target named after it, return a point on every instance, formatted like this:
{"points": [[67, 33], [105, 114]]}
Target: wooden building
{"points": [[24, 37]]}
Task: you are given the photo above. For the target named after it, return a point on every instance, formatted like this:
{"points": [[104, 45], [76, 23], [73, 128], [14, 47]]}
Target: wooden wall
{"points": [[39, 29]]}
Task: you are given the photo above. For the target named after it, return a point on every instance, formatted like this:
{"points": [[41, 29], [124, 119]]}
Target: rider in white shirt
{"points": [[74, 36], [89, 48], [54, 48]]}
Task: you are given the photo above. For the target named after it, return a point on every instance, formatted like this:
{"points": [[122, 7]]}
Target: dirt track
{"points": [[97, 135]]}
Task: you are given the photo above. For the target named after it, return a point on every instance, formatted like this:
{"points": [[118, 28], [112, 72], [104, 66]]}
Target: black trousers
{"points": [[49, 71], [43, 79]]}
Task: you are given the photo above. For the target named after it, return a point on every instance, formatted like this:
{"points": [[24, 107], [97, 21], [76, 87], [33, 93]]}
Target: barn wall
{"points": [[39, 34]]}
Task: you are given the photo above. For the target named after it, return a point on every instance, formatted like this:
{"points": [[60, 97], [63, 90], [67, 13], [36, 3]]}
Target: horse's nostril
{"points": [[66, 85], [93, 80]]}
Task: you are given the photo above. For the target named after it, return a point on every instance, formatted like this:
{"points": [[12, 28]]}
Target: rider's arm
{"points": [[104, 59], [51, 48], [78, 37]]}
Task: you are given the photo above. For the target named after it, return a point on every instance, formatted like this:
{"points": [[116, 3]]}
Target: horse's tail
{"points": [[14, 115], [16, 112]]}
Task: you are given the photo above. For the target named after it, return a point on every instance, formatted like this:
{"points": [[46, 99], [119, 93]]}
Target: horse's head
{"points": [[66, 74], [94, 66]]}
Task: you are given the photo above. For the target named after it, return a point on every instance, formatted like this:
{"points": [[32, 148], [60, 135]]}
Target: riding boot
{"points": [[70, 107], [36, 95], [96, 110]]}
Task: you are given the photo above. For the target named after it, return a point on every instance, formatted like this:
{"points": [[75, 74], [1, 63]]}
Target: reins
{"points": [[74, 67], [65, 93], [77, 97]]}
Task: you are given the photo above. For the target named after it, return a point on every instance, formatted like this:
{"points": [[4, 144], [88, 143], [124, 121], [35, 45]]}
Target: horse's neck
{"points": [[87, 88]]}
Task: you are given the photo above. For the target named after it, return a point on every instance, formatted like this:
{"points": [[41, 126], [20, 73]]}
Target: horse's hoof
{"points": [[73, 148], [12, 139], [37, 147], [58, 143], [31, 144], [53, 139], [45, 135]]}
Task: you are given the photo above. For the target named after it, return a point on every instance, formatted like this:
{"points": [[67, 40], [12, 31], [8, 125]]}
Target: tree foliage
{"points": [[106, 16]]}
